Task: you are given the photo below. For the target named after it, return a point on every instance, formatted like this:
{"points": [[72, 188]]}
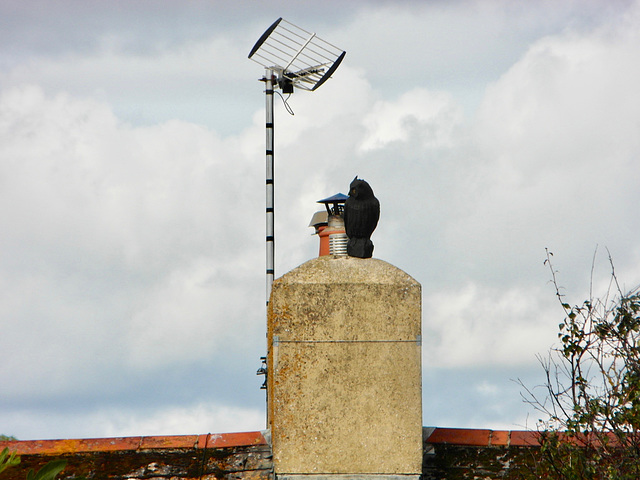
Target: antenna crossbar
{"points": [[304, 59], [300, 51]]}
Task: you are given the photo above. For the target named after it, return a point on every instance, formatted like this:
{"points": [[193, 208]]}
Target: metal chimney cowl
{"points": [[330, 226], [331, 232], [337, 237]]}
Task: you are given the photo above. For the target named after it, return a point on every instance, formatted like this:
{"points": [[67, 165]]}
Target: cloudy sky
{"points": [[132, 137]]}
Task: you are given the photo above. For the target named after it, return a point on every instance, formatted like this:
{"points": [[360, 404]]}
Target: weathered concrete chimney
{"points": [[344, 361]]}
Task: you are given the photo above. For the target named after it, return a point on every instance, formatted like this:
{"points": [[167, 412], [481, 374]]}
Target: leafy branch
{"points": [[48, 472], [8, 459], [591, 396]]}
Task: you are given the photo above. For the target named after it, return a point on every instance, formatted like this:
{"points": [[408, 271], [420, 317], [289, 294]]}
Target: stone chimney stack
{"points": [[344, 362]]}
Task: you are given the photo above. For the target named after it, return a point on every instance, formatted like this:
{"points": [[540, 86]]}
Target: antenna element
{"points": [[296, 56]]}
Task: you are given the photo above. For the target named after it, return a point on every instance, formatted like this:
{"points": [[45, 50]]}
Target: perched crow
{"points": [[361, 214]]}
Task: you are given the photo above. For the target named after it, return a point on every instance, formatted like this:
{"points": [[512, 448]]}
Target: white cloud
{"points": [[486, 326], [431, 117], [131, 251], [183, 420], [198, 81], [191, 419], [186, 317], [558, 136], [487, 389], [118, 239]]}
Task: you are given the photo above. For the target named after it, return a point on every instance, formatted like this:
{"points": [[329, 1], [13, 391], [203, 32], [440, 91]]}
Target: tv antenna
{"points": [[292, 57]]}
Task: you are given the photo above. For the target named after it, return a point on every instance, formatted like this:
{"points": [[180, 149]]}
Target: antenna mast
{"points": [[292, 57]]}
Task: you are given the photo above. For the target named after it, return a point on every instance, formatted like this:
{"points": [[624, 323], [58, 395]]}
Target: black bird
{"points": [[361, 214]]}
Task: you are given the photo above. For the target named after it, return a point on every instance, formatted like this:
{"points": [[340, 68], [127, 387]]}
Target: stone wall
{"points": [[449, 454], [469, 454], [243, 456]]}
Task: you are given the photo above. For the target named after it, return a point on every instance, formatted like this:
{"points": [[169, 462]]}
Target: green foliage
{"points": [[8, 459], [49, 472], [592, 390], [4, 438]]}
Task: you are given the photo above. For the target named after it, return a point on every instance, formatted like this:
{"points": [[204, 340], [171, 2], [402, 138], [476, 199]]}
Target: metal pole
{"points": [[270, 213], [269, 85]]}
